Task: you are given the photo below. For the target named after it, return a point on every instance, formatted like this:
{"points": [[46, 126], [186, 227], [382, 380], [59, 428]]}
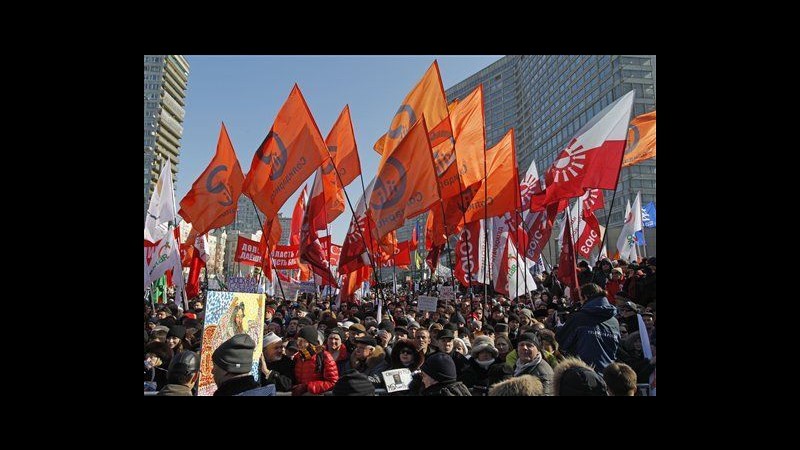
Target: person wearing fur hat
{"points": [[438, 376], [233, 360], [369, 358], [530, 360], [524, 385], [592, 333], [573, 377], [276, 367], [406, 355], [602, 274], [475, 375], [315, 370], [157, 356]]}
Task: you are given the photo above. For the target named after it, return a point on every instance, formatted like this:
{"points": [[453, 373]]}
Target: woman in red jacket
{"points": [[314, 368]]}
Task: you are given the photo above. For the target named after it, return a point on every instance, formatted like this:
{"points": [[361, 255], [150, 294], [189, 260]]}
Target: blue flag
{"points": [[649, 216]]}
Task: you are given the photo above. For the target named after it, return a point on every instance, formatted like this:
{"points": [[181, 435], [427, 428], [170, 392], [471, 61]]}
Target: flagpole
{"points": [[266, 239]]}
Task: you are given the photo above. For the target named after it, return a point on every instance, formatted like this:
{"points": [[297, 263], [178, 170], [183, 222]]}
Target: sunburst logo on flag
{"points": [[571, 164], [590, 199]]}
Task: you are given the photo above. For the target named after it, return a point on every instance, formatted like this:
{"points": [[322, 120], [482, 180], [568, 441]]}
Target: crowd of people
{"points": [[602, 342]]}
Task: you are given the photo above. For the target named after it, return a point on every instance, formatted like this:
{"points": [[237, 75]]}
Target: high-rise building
{"points": [[165, 81], [548, 98]]}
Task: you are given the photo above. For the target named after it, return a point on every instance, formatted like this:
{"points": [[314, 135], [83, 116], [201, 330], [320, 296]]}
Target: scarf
{"points": [[317, 350], [520, 367]]}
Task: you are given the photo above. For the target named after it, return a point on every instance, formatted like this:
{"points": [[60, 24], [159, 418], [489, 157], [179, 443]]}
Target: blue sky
{"points": [[246, 93]]}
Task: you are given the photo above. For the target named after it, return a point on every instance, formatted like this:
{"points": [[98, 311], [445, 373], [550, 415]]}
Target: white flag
{"points": [[626, 243], [161, 211]]}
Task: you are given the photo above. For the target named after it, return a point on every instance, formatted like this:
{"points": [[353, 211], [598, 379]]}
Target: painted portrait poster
{"points": [[228, 314]]}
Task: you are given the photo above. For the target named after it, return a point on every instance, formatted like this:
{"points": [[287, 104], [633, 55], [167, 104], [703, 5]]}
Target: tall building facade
{"points": [[165, 82], [548, 98]]}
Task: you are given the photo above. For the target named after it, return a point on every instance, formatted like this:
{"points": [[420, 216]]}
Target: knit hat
{"points": [[271, 338], [531, 337], [310, 334], [236, 354], [179, 331], [440, 367], [353, 384], [581, 381]]}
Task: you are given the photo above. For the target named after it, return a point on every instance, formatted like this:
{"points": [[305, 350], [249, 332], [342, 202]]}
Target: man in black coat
{"points": [[592, 333]]}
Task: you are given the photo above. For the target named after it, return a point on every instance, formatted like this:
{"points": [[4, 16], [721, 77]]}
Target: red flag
{"points": [[354, 249], [402, 256], [433, 257], [590, 236], [213, 198], [193, 283], [567, 271], [292, 150], [248, 252], [311, 251], [592, 201], [592, 158], [414, 237], [469, 258], [352, 281]]}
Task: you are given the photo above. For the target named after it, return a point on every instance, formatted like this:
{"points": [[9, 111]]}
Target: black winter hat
{"points": [[236, 354], [445, 334], [501, 328], [582, 381], [184, 363], [583, 264], [338, 331], [353, 384], [440, 367], [530, 336], [310, 334], [179, 331]]}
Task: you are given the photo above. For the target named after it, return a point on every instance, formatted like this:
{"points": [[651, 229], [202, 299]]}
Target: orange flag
{"points": [[641, 139], [270, 237], [427, 98], [212, 201], [341, 142], [467, 120], [292, 150], [405, 185], [501, 183]]}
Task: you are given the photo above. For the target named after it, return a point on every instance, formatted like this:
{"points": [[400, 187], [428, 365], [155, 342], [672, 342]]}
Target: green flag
{"points": [[159, 290]]}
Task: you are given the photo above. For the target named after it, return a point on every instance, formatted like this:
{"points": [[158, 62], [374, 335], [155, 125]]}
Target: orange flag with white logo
{"points": [[212, 201], [501, 183], [641, 139], [468, 131], [292, 150], [405, 185], [427, 98]]}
